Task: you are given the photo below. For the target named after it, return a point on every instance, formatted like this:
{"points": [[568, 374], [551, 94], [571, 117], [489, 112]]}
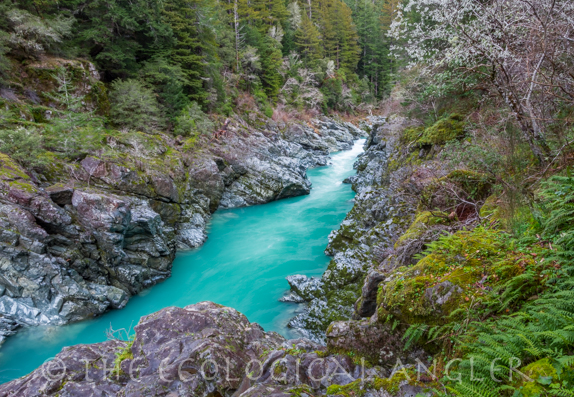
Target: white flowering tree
{"points": [[523, 49]]}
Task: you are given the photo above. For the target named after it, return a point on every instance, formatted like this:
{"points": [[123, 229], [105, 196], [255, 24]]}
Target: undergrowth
{"points": [[521, 343]]}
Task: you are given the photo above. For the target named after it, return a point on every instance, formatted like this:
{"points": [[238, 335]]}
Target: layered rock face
{"points": [[201, 350], [83, 238], [364, 244]]}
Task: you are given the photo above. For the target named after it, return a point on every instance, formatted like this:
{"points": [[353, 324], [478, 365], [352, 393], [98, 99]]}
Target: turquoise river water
{"points": [[243, 265]]}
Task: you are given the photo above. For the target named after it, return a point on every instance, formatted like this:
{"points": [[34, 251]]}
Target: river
{"points": [[243, 265]]}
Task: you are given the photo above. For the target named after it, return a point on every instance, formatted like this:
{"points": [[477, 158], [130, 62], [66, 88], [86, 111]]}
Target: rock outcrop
{"points": [[364, 244], [82, 238], [201, 350]]}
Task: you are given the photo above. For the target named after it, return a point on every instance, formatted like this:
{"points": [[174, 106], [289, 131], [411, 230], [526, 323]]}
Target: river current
{"points": [[243, 265]]}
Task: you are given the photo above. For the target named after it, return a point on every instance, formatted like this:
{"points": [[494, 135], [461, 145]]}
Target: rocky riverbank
{"points": [[83, 237], [365, 241], [207, 350]]}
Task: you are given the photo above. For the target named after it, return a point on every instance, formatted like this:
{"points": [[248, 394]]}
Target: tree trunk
{"points": [[535, 140]]}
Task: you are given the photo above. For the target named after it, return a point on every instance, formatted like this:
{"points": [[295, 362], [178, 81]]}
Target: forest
{"points": [[321, 55]]}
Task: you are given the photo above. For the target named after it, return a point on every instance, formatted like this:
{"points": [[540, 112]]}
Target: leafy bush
{"points": [[134, 106], [193, 122]]}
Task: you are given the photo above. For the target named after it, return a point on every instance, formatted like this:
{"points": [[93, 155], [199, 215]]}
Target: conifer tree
{"points": [[308, 40], [279, 12], [347, 49], [188, 50]]}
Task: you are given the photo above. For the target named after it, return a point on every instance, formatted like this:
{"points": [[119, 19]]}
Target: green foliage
{"points": [[4, 62], [332, 91], [193, 122], [30, 36], [188, 50], [25, 145], [197, 50], [134, 106], [538, 339], [559, 200], [116, 33], [167, 81], [124, 353], [308, 41]]}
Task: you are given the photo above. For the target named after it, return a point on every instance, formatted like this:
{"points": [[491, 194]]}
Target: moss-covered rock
{"points": [[540, 374], [423, 221], [412, 134], [492, 212], [401, 383], [477, 185], [459, 270], [444, 130], [446, 192]]}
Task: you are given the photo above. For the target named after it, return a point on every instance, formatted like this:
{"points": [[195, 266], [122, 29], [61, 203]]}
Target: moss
{"points": [[300, 391], [321, 353], [493, 213], [360, 387], [471, 185], [99, 96], [357, 388], [541, 372], [444, 130], [468, 264], [9, 169], [421, 223], [392, 385], [412, 134]]}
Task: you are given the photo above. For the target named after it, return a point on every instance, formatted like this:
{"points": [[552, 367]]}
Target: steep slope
{"points": [[81, 237]]}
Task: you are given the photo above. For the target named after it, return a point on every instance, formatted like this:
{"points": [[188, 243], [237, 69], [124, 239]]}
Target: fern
{"points": [[414, 334], [543, 328]]}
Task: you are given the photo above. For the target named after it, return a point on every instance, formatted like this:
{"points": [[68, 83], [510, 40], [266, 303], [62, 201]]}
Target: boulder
{"points": [[200, 350]]}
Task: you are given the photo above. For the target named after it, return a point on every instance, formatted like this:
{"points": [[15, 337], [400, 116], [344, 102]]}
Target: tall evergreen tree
{"points": [[308, 40], [188, 50]]}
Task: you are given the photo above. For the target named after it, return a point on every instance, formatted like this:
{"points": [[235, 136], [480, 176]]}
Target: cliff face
{"points": [[84, 236]]}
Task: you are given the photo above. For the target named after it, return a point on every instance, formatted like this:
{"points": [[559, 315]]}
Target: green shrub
{"points": [[25, 145], [193, 122], [134, 106]]}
